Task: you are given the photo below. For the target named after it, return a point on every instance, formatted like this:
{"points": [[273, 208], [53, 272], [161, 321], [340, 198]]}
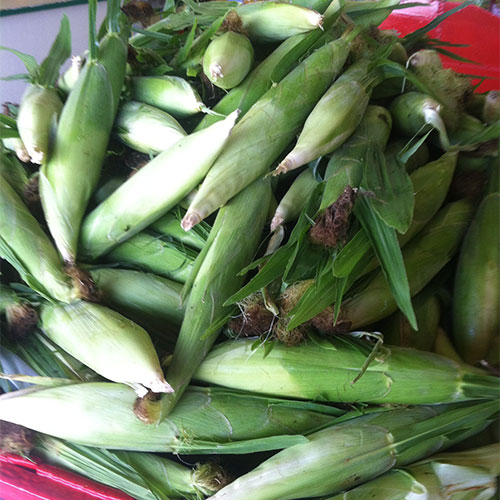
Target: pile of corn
{"points": [[261, 229]]}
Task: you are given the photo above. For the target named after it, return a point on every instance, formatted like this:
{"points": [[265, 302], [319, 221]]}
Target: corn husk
{"points": [[231, 247], [357, 451], [206, 420], [169, 93], [326, 370], [38, 114], [228, 59], [147, 129], [448, 476], [141, 475], [26, 247], [151, 253], [476, 311], [104, 340], [273, 21], [143, 198], [150, 300]]}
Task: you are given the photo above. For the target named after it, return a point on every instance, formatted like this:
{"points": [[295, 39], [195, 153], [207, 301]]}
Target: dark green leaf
{"points": [[155, 35], [489, 133], [385, 243], [8, 133], [350, 255], [408, 151], [452, 55], [59, 52], [8, 121], [391, 185]]}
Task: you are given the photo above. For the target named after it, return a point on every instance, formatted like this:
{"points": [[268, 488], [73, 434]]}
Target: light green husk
{"points": [[68, 79], [154, 189], [110, 344], [228, 59], [151, 301], [147, 129], [476, 296], [25, 246], [424, 256], [466, 475], [153, 254], [414, 114], [345, 165], [206, 420], [230, 248], [38, 113], [70, 175], [334, 118], [141, 475], [169, 93], [344, 455], [16, 145], [270, 124], [295, 199], [322, 370], [273, 21]]}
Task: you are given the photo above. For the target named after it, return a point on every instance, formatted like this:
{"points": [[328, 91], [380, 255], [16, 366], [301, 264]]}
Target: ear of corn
{"points": [[131, 207], [38, 113], [71, 173], [415, 114], [141, 475], [344, 167], [25, 246], [228, 59], [272, 21], [107, 342], [147, 129], [326, 370], [295, 199], [151, 301], [40, 104], [169, 93], [231, 247], [334, 118], [447, 476], [153, 254], [266, 129], [206, 420], [476, 311], [357, 451]]}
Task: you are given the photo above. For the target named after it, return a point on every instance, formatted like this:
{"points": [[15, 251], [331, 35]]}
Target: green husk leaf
{"points": [[29, 61], [392, 187], [8, 121], [386, 246], [59, 52], [8, 133]]}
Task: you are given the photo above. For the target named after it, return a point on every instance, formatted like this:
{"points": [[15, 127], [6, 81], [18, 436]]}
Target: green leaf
{"points": [[29, 61], [391, 185], [316, 299], [351, 254], [59, 52], [489, 133], [452, 55], [385, 243], [408, 151], [155, 35], [412, 38], [8, 133], [19, 76], [184, 50], [8, 121]]}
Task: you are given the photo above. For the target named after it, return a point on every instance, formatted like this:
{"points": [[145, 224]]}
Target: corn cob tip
{"points": [[276, 221], [36, 156], [216, 71], [285, 166], [190, 220]]}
